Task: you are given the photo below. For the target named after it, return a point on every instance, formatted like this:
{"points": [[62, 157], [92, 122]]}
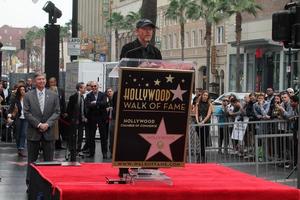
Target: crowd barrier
{"points": [[266, 149]]}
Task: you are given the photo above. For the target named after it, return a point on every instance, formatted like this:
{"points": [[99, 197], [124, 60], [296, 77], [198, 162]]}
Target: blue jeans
{"points": [[21, 132]]}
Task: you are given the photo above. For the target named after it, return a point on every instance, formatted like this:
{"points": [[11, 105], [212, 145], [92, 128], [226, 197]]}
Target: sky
{"points": [[28, 13]]}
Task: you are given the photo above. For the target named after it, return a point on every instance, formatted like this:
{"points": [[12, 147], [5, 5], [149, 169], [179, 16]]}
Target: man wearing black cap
{"points": [[141, 47]]}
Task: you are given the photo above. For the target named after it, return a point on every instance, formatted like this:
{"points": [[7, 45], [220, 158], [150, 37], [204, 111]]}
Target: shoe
{"points": [[90, 156], [105, 156], [60, 148], [21, 154], [123, 171]]}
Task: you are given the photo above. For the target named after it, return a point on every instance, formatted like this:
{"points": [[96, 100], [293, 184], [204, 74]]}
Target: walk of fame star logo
{"points": [[178, 93], [160, 141]]}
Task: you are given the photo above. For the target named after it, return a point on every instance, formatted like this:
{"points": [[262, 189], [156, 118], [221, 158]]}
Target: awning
{"points": [[256, 43]]}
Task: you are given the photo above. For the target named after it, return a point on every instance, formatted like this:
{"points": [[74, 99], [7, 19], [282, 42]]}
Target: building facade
{"points": [[264, 62], [92, 17], [12, 55]]}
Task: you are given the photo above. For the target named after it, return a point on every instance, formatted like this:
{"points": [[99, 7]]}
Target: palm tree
{"points": [[40, 34], [237, 7], [179, 9], [116, 22], [29, 38], [149, 11], [131, 19], [211, 11], [64, 33]]}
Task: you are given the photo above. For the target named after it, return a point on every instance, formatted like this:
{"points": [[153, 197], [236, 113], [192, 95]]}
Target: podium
{"points": [[153, 105]]}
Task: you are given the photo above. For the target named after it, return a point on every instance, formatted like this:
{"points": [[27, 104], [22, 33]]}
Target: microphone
{"points": [[137, 48]]}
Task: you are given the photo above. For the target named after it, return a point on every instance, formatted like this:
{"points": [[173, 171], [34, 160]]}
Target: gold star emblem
{"points": [[157, 82], [170, 78]]}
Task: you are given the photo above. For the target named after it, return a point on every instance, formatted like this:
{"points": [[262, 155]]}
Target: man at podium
{"points": [[140, 48]]}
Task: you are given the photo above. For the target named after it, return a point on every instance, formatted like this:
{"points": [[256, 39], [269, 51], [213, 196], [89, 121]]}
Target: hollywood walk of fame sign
{"points": [[152, 117]]}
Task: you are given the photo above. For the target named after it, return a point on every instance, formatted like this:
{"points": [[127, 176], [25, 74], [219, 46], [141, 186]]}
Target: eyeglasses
{"points": [[93, 86]]}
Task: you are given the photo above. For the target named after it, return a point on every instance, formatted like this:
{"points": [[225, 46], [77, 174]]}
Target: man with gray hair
{"points": [[42, 110], [96, 104]]}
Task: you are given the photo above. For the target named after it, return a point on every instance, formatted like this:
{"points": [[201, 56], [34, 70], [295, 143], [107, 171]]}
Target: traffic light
{"points": [[286, 26], [22, 44]]}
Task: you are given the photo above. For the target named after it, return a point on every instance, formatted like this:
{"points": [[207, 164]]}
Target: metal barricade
{"points": [[266, 149]]}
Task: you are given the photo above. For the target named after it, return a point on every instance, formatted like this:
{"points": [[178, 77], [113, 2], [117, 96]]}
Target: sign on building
{"points": [[74, 47]]}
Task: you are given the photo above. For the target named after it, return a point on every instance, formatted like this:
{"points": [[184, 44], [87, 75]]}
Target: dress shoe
{"points": [[123, 171], [21, 154], [105, 156], [60, 148], [86, 151], [90, 156]]}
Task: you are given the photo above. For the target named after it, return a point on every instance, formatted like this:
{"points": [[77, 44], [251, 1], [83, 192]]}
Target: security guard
{"points": [[141, 47]]}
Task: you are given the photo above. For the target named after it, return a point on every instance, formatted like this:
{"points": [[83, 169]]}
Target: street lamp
{"points": [[54, 12], [52, 41]]}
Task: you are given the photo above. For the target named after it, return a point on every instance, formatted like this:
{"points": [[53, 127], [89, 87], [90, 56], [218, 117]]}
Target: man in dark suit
{"points": [[139, 48], [96, 104], [62, 103], [77, 116], [41, 109]]}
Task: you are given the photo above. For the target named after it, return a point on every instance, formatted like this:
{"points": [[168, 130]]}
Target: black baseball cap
{"points": [[145, 22]]}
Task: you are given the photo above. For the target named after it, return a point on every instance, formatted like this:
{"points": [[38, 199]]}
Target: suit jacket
{"points": [[96, 112], [34, 115], [74, 109]]}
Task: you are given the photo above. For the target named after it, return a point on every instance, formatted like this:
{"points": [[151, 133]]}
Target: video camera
{"points": [[286, 25]]}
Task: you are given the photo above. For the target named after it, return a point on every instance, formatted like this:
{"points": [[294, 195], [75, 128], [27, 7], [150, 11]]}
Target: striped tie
{"points": [[41, 102]]}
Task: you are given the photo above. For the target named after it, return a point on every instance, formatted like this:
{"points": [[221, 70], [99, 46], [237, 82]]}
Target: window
{"points": [[165, 42], [176, 40], [195, 39], [220, 35], [201, 37], [187, 39], [171, 41], [10, 37]]}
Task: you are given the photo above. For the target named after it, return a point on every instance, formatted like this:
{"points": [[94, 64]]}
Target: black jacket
{"points": [[136, 50], [96, 112], [74, 110]]}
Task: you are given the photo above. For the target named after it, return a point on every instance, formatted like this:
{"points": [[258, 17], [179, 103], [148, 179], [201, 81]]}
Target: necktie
{"points": [[82, 107], [41, 102]]}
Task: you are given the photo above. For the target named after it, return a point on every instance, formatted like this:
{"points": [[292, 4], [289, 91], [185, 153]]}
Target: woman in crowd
{"points": [[203, 113], [16, 113]]}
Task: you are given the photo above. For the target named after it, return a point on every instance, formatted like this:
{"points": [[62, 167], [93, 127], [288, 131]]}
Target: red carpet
{"points": [[195, 181]]}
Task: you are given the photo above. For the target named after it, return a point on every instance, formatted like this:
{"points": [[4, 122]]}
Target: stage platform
{"points": [[194, 182]]}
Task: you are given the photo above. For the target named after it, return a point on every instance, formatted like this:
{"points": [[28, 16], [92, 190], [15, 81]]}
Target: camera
{"points": [[286, 25]]}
